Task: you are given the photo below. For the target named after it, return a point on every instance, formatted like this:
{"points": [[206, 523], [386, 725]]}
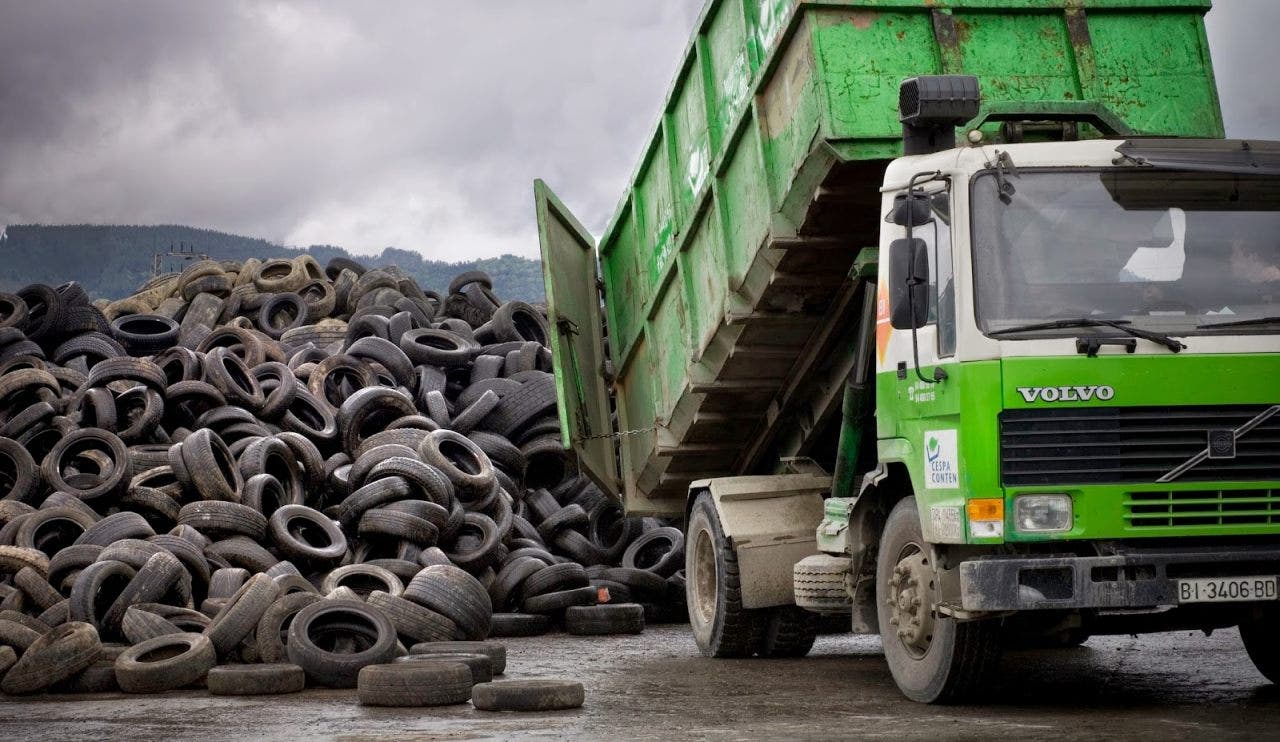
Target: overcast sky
{"points": [[421, 125]]}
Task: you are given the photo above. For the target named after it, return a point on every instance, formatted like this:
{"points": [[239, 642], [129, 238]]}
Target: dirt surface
{"points": [[656, 687]]}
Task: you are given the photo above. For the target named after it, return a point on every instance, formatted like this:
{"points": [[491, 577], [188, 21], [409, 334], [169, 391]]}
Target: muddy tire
{"points": [[606, 619], [528, 695], [721, 626], [933, 659], [497, 653], [240, 616], [788, 632], [518, 624], [480, 665], [273, 628], [414, 684], [819, 583], [165, 663], [256, 680], [52, 658], [332, 640], [1262, 644]]}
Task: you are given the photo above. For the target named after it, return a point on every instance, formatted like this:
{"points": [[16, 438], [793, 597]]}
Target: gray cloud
{"points": [[419, 124]]}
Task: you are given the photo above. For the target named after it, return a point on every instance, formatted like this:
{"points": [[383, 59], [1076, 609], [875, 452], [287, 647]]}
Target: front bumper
{"points": [[1131, 579]]}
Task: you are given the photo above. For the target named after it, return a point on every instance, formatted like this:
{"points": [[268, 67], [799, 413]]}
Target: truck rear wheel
{"points": [[1262, 643], [933, 658], [721, 626]]}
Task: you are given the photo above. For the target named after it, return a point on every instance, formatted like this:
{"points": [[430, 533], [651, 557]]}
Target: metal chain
{"points": [[619, 434]]}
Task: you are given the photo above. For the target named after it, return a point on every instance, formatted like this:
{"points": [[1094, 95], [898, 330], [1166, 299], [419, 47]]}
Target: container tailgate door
{"points": [[577, 342]]}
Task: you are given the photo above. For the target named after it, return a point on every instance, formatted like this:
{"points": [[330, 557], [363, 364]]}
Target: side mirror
{"points": [[916, 207], [908, 267]]}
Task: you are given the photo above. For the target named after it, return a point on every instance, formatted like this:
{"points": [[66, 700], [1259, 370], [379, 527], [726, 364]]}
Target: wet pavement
{"points": [[656, 687]]}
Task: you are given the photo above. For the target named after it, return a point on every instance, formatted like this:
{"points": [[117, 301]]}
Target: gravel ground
{"points": [[656, 687]]}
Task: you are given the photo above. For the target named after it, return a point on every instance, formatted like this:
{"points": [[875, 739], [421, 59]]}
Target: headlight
{"points": [[1042, 513]]}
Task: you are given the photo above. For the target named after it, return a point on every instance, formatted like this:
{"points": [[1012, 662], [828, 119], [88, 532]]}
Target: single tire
{"points": [[242, 612], [37, 588], [461, 460], [509, 581], [660, 551], [219, 519], [466, 278], [600, 620], [158, 576], [306, 535], [256, 680], [556, 577], [414, 684], [17, 634], [333, 639], [456, 595], [819, 584], [496, 652], [561, 599], [933, 659], [413, 622], [518, 625], [520, 408], [721, 626], [145, 334], [165, 663], [52, 658], [540, 694], [364, 579]]}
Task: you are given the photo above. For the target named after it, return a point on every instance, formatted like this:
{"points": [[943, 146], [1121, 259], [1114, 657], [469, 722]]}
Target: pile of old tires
{"points": [[274, 462]]}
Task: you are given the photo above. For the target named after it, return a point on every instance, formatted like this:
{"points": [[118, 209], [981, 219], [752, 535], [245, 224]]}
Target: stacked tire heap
{"points": [[274, 463]]}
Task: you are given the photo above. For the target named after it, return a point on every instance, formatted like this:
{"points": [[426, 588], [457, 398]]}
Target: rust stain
{"points": [[862, 19], [964, 30]]}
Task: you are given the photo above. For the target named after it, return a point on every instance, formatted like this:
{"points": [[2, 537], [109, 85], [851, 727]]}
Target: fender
{"points": [[771, 522]]}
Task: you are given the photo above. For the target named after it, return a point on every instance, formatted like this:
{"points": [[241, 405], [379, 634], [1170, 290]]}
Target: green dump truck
{"points": [[959, 317]]}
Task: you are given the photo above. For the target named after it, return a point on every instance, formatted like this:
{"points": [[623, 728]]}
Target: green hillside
{"points": [[112, 261]]}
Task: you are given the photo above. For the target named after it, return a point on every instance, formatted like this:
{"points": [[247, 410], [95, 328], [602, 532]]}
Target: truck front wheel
{"points": [[933, 658], [721, 626], [1262, 643]]}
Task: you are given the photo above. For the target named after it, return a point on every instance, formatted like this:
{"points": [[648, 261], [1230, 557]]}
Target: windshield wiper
{"points": [[1121, 325], [1240, 323]]}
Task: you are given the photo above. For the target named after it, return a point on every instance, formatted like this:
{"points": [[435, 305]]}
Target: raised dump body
{"points": [[731, 271]]}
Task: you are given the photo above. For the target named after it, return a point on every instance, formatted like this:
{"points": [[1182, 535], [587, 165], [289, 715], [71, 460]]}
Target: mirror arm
{"points": [[938, 374]]}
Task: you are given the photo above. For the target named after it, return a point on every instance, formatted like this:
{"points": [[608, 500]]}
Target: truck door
{"points": [[577, 339]]}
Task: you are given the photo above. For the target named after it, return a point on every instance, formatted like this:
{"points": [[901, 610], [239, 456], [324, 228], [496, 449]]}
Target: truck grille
{"points": [[1125, 445], [1202, 508]]}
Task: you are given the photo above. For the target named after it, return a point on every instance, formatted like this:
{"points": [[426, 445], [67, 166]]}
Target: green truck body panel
{"points": [[976, 392], [729, 262]]}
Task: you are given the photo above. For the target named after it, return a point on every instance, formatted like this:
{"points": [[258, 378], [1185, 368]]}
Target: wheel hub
{"points": [[703, 578], [910, 602]]}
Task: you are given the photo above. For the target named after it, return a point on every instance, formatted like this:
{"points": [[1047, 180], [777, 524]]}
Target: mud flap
{"points": [[772, 522]]}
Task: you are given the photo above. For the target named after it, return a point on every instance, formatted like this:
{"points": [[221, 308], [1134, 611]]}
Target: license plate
{"points": [[1228, 589]]}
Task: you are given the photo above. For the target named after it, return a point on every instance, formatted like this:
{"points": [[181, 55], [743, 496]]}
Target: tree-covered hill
{"points": [[112, 261]]}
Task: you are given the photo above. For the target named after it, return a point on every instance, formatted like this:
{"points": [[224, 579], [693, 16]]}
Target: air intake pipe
{"points": [[931, 107]]}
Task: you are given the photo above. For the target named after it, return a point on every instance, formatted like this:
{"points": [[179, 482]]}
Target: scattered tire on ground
{"points": [[528, 695]]}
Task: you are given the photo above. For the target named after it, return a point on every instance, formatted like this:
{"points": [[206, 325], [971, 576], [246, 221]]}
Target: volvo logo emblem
{"points": [[1222, 444], [1065, 393]]}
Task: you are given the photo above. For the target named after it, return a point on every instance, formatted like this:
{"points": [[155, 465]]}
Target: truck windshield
{"points": [[1171, 252]]}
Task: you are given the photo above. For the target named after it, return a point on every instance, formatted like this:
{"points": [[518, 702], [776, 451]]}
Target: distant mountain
{"points": [[112, 261]]}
